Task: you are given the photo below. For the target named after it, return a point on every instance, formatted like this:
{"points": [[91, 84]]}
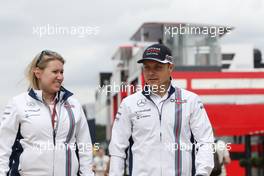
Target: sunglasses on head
{"points": [[43, 53]]}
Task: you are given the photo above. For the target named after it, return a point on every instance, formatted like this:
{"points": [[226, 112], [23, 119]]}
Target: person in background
{"points": [[100, 162], [223, 155], [106, 173]]}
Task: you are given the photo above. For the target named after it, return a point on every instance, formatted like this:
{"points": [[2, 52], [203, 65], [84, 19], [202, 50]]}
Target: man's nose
{"points": [[151, 72]]}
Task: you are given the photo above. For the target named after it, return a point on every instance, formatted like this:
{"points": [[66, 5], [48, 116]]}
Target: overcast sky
{"points": [[113, 23]]}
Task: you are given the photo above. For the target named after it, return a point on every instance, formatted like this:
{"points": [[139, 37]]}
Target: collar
{"points": [[147, 92], [62, 95], [164, 96]]}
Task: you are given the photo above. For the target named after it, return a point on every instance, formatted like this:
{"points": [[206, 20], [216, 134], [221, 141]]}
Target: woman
{"points": [[50, 122]]}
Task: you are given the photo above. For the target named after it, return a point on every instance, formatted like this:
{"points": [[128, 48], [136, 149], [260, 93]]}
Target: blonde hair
{"points": [[40, 61]]}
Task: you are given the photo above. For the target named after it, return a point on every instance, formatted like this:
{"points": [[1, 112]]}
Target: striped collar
{"points": [[61, 96], [147, 92]]}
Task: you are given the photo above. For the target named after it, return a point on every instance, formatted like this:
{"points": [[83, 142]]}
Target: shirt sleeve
{"points": [[121, 133], [84, 146], [203, 134], [8, 130]]}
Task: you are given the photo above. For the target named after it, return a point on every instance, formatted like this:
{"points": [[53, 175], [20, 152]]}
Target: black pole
{"points": [[248, 154]]}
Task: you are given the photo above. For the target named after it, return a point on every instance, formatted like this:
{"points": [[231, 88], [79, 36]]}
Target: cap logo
{"points": [[153, 50], [169, 58]]}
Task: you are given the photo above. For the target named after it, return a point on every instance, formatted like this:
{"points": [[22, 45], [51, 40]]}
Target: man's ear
{"points": [[171, 66], [37, 72]]}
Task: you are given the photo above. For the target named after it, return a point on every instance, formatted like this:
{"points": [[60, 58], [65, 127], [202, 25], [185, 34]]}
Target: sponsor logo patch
{"points": [[69, 106], [32, 110], [201, 104], [31, 115], [141, 102], [140, 116], [143, 110], [31, 104], [178, 101]]}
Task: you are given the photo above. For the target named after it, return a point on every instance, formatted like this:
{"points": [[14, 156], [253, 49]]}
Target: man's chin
{"points": [[153, 83]]}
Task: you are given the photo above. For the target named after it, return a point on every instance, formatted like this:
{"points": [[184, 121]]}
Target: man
{"points": [[161, 120]]}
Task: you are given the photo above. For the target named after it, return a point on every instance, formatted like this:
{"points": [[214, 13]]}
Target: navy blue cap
{"points": [[157, 52]]}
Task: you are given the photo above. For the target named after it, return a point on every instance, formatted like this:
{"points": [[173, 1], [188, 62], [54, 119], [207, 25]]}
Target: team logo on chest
{"points": [[141, 102], [31, 104]]}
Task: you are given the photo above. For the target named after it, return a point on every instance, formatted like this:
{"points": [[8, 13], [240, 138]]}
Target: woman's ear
{"points": [[37, 72]]}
